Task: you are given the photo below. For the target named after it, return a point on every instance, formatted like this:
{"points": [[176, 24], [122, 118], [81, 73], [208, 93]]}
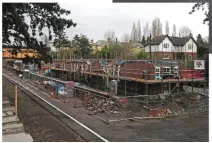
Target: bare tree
{"points": [[150, 31], [144, 31], [160, 29], [156, 27], [147, 29], [134, 36], [185, 31], [110, 35], [174, 32], [139, 31], [167, 28], [125, 37]]}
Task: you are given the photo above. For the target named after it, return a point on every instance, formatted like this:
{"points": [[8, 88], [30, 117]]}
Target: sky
{"points": [[95, 17]]}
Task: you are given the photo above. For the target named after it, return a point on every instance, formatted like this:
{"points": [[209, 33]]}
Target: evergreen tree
{"points": [[143, 41]]}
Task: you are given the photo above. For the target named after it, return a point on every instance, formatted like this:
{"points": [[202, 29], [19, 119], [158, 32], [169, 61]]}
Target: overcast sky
{"points": [[95, 17]]}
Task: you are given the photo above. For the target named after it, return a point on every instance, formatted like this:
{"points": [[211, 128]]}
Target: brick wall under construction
{"points": [[132, 69]]}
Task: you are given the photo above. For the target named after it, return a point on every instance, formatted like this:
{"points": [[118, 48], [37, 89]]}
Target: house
{"points": [[169, 47], [98, 45], [135, 47]]}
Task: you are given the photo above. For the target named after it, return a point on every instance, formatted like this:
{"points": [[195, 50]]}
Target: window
{"points": [[189, 57], [166, 70], [175, 69], [190, 46], [165, 46], [157, 70], [166, 56]]}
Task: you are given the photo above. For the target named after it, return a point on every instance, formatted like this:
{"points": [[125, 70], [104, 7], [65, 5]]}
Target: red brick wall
{"points": [[160, 55], [194, 55], [96, 66], [135, 69]]}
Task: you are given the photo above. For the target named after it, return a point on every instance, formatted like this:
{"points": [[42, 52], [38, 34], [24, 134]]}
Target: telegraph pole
{"points": [[150, 50]]}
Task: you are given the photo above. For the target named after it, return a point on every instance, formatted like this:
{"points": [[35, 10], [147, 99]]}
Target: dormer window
{"points": [[165, 46], [190, 46]]}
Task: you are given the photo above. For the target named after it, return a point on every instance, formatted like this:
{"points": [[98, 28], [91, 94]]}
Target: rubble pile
{"points": [[173, 107], [98, 105], [158, 112], [165, 109]]}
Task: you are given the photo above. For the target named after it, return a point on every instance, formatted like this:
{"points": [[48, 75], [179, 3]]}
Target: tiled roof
{"points": [[177, 41], [158, 39], [101, 42]]}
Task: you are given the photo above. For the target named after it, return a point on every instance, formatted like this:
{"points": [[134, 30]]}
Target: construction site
{"points": [[139, 83], [118, 92]]}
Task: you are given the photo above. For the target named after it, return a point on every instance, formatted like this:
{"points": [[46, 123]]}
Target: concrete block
{"points": [[6, 102], [10, 119], [169, 111], [12, 126], [8, 109], [162, 97], [10, 113], [3, 114], [20, 137], [4, 98]]}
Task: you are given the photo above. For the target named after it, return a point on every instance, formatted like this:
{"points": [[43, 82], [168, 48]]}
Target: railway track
{"points": [[80, 129], [95, 91]]}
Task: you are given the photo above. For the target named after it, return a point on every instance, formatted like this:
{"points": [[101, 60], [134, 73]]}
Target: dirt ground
{"points": [[168, 130], [39, 123]]}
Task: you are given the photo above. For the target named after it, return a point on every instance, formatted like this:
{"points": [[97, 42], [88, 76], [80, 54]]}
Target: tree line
{"points": [[155, 29]]}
